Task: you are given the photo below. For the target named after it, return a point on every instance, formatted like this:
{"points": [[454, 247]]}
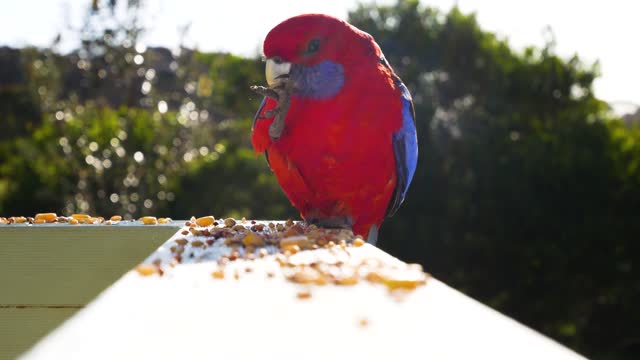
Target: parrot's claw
{"points": [[282, 94], [271, 113], [336, 222], [265, 91]]}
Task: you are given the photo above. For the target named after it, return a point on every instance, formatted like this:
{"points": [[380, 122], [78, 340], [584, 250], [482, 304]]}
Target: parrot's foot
{"points": [[282, 94], [265, 91], [338, 222]]}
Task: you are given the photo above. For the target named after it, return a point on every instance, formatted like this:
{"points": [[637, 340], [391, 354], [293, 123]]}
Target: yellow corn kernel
{"points": [[253, 239], [149, 220], [301, 241], [205, 221], [347, 280], [357, 242], [46, 217], [218, 274], [80, 216], [116, 218], [407, 284], [17, 219], [146, 269], [73, 221], [39, 221], [291, 249], [164, 220], [375, 277]]}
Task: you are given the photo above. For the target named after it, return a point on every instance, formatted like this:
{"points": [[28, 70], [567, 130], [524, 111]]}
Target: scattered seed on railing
{"points": [[363, 322], [197, 243], [306, 254]]}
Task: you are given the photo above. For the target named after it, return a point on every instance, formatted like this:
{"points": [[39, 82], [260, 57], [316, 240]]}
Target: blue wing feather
{"points": [[405, 148]]}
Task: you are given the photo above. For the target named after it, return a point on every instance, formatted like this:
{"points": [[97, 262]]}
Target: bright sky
{"points": [[603, 30]]}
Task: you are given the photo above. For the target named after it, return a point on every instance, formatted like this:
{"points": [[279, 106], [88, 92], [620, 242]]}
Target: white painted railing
{"points": [[188, 314]]}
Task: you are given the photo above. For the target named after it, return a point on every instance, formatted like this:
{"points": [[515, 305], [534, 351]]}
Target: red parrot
{"points": [[337, 124]]}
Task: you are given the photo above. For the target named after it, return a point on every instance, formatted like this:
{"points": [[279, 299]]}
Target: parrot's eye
{"points": [[313, 46]]}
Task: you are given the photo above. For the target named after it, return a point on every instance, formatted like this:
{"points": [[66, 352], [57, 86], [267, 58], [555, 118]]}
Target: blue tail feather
{"points": [[373, 235]]}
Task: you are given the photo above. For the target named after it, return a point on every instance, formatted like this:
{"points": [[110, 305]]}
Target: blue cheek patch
{"points": [[321, 81]]}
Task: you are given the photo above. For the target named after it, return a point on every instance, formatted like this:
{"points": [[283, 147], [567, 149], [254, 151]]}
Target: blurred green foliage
{"points": [[118, 128], [526, 197]]}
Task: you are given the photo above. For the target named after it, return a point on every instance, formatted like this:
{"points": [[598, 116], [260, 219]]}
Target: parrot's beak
{"points": [[277, 71]]}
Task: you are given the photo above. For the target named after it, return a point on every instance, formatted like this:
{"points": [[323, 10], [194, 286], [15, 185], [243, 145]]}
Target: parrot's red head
{"points": [[309, 39]]}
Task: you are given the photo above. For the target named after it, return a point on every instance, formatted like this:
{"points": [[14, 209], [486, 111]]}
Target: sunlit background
{"points": [[599, 30], [527, 193]]}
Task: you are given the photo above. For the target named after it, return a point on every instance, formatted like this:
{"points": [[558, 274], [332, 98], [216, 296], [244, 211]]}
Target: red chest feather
{"points": [[335, 157]]}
